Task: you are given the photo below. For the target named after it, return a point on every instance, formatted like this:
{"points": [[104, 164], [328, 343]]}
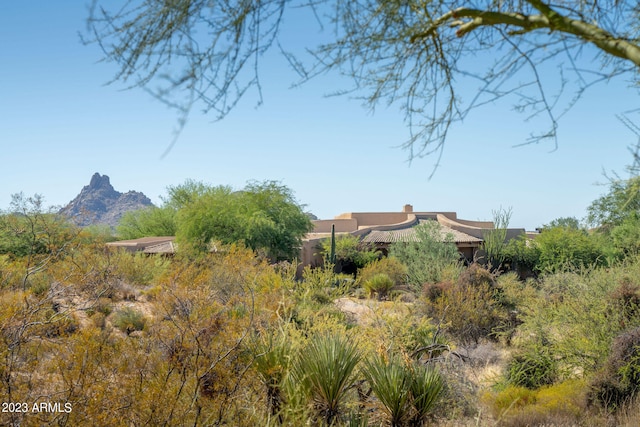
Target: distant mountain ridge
{"points": [[100, 203]]}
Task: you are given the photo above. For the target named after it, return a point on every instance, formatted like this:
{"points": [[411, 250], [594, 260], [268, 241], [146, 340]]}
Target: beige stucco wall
{"points": [[365, 219], [342, 225]]}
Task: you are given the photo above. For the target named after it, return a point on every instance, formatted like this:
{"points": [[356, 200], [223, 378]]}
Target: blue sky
{"points": [[60, 123]]}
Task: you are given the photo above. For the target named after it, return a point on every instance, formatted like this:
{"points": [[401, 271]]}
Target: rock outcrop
{"points": [[100, 203]]}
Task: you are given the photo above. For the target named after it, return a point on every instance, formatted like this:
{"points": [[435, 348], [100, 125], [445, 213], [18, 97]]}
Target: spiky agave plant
{"points": [[325, 369]]}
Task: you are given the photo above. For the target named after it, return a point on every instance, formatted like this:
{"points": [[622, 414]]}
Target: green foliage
{"points": [[28, 229], [128, 320], [265, 216], [622, 200], [326, 370], [391, 383], [272, 360], [470, 309], [523, 254], [495, 240], [378, 285], [570, 320], [408, 392], [619, 380], [150, 221], [560, 404], [429, 258], [139, 269], [390, 266], [625, 236], [184, 194], [563, 248], [98, 233], [533, 368], [565, 222], [427, 387], [348, 249], [34, 238]]}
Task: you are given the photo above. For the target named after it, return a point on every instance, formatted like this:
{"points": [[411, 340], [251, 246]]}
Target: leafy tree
{"points": [[564, 248], [31, 231], [181, 195], [622, 200], [421, 55], [149, 221], [265, 216], [566, 222], [429, 257], [625, 237]]}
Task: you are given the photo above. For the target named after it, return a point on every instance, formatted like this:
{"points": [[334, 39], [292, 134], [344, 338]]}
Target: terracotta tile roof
{"points": [[408, 234]]}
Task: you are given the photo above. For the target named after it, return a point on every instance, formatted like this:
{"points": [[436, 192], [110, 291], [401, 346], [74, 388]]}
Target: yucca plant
{"points": [[407, 392], [271, 362], [325, 369], [129, 320], [391, 382], [427, 385], [380, 285]]}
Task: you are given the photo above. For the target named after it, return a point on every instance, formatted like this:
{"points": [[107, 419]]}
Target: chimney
{"points": [[407, 209]]}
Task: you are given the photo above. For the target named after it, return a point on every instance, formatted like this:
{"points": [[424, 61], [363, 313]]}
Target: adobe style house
{"points": [[381, 229]]}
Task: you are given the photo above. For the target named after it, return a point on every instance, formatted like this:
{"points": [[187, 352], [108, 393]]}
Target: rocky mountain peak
{"points": [[100, 182], [100, 203]]}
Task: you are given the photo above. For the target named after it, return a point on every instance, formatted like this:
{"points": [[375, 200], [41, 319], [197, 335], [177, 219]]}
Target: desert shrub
{"points": [[572, 314], [532, 368], [468, 310], [522, 255], [476, 275], [625, 300], [139, 269], [566, 249], [40, 284], [432, 258], [325, 279], [514, 292], [390, 266], [434, 291], [349, 251], [560, 404], [378, 285], [509, 398], [619, 380], [129, 320], [311, 298]]}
